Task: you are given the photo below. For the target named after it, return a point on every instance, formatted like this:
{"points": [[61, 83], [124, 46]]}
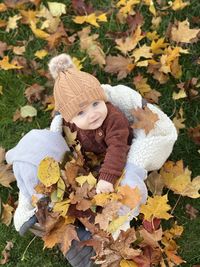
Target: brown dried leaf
{"points": [[152, 96], [6, 253], [6, 175], [2, 154], [194, 133], [155, 183], [119, 65], [33, 93], [146, 119], [191, 211], [3, 47], [151, 239], [6, 217]]}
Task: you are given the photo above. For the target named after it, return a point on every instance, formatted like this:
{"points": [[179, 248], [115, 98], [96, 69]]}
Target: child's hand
{"points": [[104, 187]]}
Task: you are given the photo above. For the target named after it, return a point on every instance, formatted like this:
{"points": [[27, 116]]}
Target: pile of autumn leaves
{"points": [[70, 187]]}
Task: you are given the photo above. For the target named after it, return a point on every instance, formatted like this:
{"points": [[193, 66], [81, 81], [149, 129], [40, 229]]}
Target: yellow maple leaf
{"points": [[130, 196], [182, 33], [38, 32], [156, 207], [57, 9], [90, 179], [127, 7], [141, 84], [151, 6], [62, 207], [180, 94], [152, 35], [5, 65], [60, 189], [127, 263], [178, 179], [179, 4], [130, 42], [91, 18], [143, 51], [41, 53], [115, 224], [78, 63], [48, 171], [28, 15], [12, 22], [157, 46], [179, 119]]}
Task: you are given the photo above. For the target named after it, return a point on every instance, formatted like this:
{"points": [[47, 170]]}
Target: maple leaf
{"points": [[130, 42], [120, 65], [28, 16], [28, 111], [156, 207], [90, 179], [64, 234], [12, 22], [55, 38], [127, 7], [107, 215], [129, 196], [91, 18], [178, 179], [62, 207], [81, 7], [38, 32], [33, 93], [151, 239], [48, 171], [3, 47], [5, 65], [157, 46], [93, 48], [152, 96], [19, 50], [141, 84], [41, 53], [6, 217], [179, 4], [6, 252], [146, 119], [143, 51], [6, 175], [181, 33], [179, 120], [57, 9]]}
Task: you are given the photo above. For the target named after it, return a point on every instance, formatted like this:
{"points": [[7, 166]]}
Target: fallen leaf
{"points": [[90, 179], [12, 22], [179, 120], [152, 96], [129, 196], [34, 92], [62, 207], [56, 8], [141, 84], [48, 171], [156, 207], [19, 50], [3, 47], [120, 65], [155, 183], [178, 179], [7, 214], [64, 234], [158, 46], [194, 134], [2, 154], [6, 253], [6, 175], [28, 111], [93, 48], [91, 18], [179, 4], [181, 33], [126, 263], [143, 51], [151, 239], [38, 32], [146, 119], [191, 211], [5, 65], [129, 43], [41, 53]]}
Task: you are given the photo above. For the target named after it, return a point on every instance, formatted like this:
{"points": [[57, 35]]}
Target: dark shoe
{"points": [[27, 225]]}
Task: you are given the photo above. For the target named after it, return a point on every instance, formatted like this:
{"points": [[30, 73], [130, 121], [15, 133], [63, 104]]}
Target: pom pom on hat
{"points": [[60, 63]]}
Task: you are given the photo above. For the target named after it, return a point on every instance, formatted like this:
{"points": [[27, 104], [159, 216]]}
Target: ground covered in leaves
{"points": [[151, 46]]}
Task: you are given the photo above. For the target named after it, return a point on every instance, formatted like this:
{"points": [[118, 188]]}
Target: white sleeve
{"points": [[56, 124], [147, 151]]}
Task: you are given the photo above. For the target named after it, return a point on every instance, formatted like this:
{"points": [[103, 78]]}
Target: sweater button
{"points": [[100, 133]]}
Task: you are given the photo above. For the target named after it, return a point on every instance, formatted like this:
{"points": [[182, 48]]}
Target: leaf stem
{"points": [[176, 204], [23, 255]]}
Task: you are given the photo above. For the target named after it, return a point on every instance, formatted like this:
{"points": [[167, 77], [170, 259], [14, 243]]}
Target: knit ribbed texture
{"points": [[75, 90]]}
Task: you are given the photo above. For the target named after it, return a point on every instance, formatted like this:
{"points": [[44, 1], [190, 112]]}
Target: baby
{"points": [[101, 127]]}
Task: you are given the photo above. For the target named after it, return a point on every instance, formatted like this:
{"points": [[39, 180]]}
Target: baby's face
{"points": [[92, 116]]}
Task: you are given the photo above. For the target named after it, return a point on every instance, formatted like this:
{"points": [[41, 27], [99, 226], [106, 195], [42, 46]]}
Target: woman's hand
{"points": [[104, 187]]}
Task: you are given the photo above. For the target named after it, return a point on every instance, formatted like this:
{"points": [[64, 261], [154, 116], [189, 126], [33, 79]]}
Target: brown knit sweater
{"points": [[113, 137]]}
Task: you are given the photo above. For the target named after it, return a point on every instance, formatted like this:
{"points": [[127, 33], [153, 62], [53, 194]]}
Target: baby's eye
{"points": [[95, 103], [80, 113]]}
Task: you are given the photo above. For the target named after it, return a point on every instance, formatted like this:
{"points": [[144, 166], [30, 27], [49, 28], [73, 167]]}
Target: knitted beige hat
{"points": [[73, 89]]}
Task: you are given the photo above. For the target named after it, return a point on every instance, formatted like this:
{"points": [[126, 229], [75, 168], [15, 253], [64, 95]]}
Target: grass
{"points": [[14, 84]]}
